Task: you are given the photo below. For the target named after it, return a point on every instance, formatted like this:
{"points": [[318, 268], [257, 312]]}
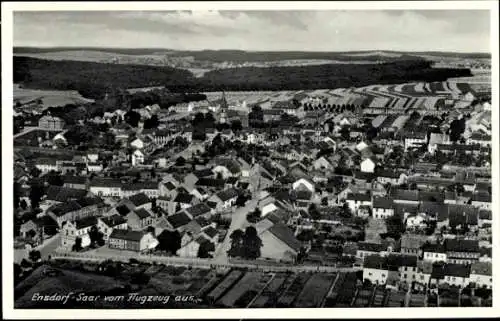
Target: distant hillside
{"points": [[92, 79], [242, 56]]}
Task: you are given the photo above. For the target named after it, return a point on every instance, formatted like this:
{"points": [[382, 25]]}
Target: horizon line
{"points": [[241, 50]]}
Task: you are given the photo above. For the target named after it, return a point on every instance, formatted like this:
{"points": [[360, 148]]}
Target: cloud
{"points": [[322, 30]]}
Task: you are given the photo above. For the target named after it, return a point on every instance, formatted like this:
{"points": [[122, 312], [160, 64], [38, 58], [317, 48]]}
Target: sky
{"points": [[305, 30]]}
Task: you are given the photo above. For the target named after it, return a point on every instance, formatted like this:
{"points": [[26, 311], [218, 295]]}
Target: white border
{"points": [[7, 173]]}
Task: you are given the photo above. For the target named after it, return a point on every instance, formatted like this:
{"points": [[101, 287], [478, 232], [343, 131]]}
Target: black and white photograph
{"points": [[243, 158]]}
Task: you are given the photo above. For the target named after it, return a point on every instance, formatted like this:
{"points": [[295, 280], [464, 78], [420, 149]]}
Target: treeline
{"points": [[327, 76], [93, 80]]}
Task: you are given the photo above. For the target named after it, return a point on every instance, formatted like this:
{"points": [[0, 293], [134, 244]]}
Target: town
{"points": [[365, 197]]}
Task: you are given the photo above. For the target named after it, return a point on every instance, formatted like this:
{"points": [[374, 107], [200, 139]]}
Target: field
{"points": [[67, 281], [315, 291], [49, 98]]}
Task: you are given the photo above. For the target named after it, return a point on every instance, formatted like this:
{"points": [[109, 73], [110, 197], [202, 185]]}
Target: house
{"points": [[366, 249], [383, 207], [192, 247], [376, 269], [37, 229], [434, 252], [51, 123], [137, 143], [76, 182], [279, 243], [481, 275], [106, 187], [408, 267], [482, 201], [355, 200], [80, 228], [484, 219], [226, 168], [107, 224], [94, 167], [416, 222], [450, 274], [368, 165], [303, 183], [139, 219], [132, 240], [137, 158], [224, 199], [411, 244], [415, 139], [436, 139], [140, 200], [424, 272], [460, 251], [76, 209], [391, 177], [322, 164], [46, 165], [199, 210], [407, 197]]}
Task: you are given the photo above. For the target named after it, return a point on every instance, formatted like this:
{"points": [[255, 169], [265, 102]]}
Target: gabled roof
{"points": [[359, 197], [285, 234], [63, 194], [62, 209], [227, 194], [133, 236], [139, 199], [198, 209], [383, 202], [113, 220], [123, 210], [85, 222], [210, 231], [455, 245], [184, 198], [179, 219], [142, 213], [371, 247]]}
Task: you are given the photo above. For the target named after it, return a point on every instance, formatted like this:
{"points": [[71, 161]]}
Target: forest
{"points": [[93, 80]]}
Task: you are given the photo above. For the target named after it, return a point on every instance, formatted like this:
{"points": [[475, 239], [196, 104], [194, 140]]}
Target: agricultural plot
{"points": [[396, 299], [379, 297], [245, 284], [49, 98], [364, 297], [314, 291], [269, 294], [417, 300], [225, 285], [288, 297], [208, 286], [346, 291]]}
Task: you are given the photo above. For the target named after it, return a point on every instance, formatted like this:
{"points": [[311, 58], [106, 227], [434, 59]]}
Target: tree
{"points": [[241, 200], [236, 249], [313, 212], [236, 125], [254, 216], [395, 226], [132, 118], [78, 245], [35, 256], [17, 194], [346, 211], [345, 133], [152, 122], [96, 237], [23, 204], [36, 193], [324, 201], [205, 249], [180, 161], [55, 179], [169, 241], [251, 243]]}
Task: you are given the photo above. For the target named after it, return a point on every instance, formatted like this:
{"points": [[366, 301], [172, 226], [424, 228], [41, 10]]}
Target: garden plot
{"points": [[287, 299], [315, 290], [247, 288]]}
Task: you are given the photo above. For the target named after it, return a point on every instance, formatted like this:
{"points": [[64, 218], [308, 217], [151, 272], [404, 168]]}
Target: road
{"points": [[125, 256], [49, 246], [238, 220]]}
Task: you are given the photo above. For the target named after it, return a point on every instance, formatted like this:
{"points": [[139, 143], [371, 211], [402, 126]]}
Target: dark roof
{"points": [[371, 247], [140, 186], [375, 262], [63, 194], [430, 197], [202, 221], [142, 213], [184, 198], [485, 215], [232, 165], [388, 173], [433, 248], [227, 194], [106, 182], [123, 210], [213, 182], [113, 220], [401, 194], [457, 270], [85, 222], [482, 197], [383, 202], [170, 186], [198, 209], [134, 236], [207, 172], [139, 199], [71, 179], [359, 197], [285, 234], [178, 220], [62, 209], [454, 245], [89, 201], [210, 231]]}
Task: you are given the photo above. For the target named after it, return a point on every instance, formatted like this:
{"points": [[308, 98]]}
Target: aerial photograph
{"points": [[220, 159]]}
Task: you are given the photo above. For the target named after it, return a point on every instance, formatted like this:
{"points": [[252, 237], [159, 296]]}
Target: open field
{"points": [[49, 98]]}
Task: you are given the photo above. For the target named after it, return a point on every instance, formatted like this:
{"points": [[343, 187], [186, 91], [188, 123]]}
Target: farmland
{"points": [[48, 98]]}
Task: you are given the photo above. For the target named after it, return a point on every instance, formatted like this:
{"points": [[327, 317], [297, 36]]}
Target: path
{"points": [[238, 219]]}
